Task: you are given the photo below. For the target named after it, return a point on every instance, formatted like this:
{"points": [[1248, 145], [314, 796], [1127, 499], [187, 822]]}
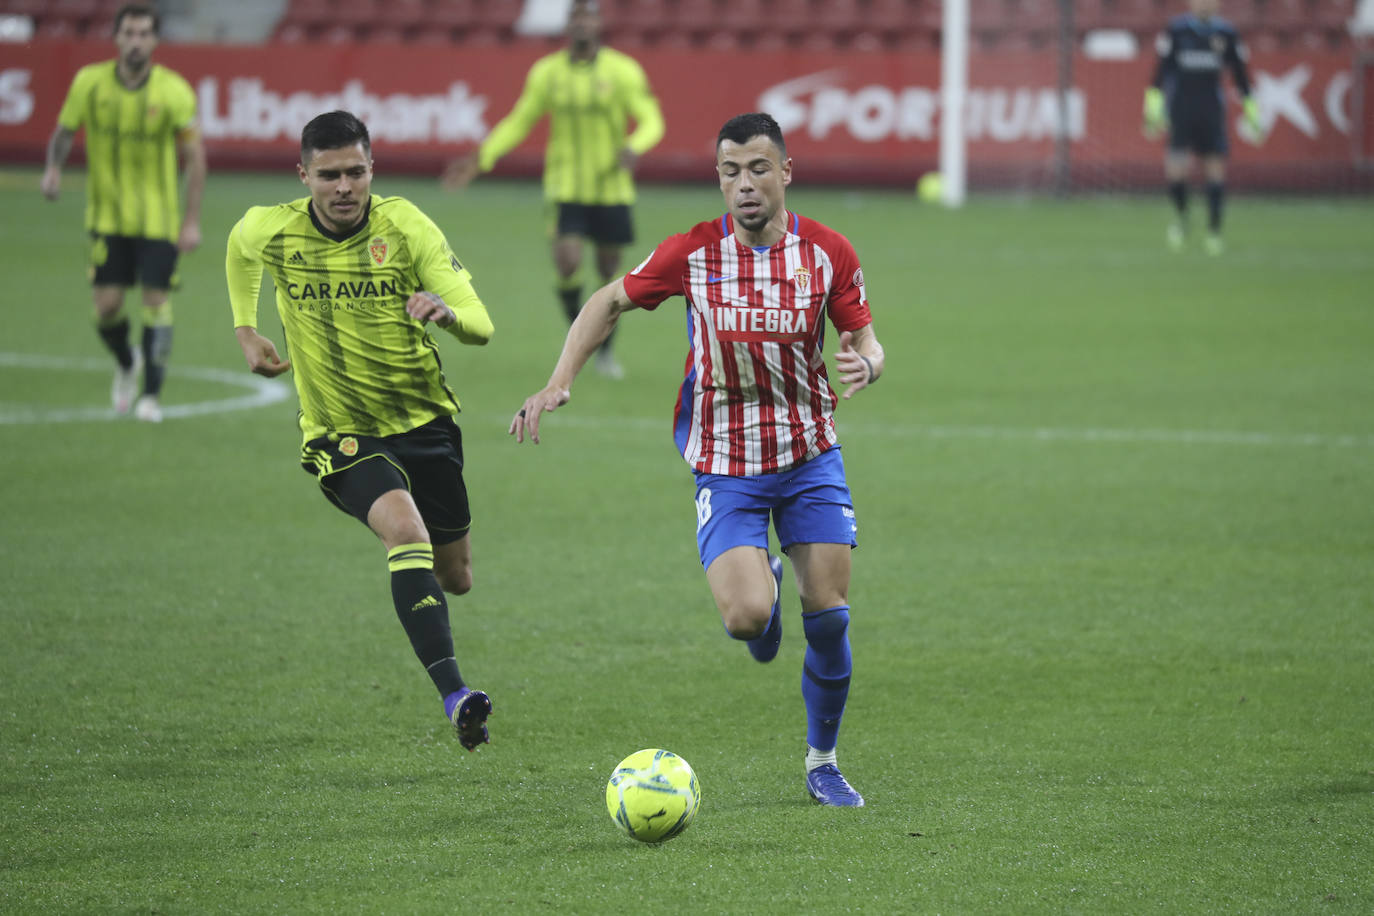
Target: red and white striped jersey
{"points": [[755, 398]]}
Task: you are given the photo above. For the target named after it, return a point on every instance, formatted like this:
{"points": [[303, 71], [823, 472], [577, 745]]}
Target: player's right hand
{"points": [[260, 353], [1155, 119], [460, 172], [527, 417], [51, 183]]}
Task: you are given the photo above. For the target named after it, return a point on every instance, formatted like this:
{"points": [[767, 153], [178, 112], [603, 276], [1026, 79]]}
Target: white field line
{"points": [[264, 391], [261, 391], [565, 417]]}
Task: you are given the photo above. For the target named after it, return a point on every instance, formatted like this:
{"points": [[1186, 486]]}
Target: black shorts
{"points": [[1200, 130], [125, 260], [427, 461], [606, 225]]}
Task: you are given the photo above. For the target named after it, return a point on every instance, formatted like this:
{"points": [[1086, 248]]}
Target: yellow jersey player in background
{"points": [[590, 94], [138, 115], [357, 278]]}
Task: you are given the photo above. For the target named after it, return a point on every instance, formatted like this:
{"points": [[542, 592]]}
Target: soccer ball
{"points": [[653, 795], [931, 188]]}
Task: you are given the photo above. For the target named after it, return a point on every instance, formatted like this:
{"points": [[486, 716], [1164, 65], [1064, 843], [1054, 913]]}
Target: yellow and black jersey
{"points": [[361, 363], [589, 104], [131, 148]]}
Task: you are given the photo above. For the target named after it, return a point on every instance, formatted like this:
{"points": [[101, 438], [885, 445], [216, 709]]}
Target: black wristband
{"points": [[871, 377]]}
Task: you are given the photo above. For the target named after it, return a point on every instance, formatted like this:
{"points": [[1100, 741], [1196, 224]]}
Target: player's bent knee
{"points": [[454, 581], [745, 622]]}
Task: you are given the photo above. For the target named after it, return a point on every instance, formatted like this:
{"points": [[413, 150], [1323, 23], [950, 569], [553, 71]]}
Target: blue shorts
{"points": [[1198, 129], [809, 504]]}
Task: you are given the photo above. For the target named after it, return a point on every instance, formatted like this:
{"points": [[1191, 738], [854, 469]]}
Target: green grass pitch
{"points": [[1113, 617]]}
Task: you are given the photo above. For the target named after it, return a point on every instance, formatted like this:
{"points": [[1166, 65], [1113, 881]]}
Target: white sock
{"points": [[815, 758]]}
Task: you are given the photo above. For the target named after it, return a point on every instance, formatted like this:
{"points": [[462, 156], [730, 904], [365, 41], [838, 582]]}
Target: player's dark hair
{"points": [[745, 127], [138, 11], [333, 130]]}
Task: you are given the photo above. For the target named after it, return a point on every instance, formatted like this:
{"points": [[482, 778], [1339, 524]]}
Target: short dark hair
{"points": [[138, 11], [333, 130], [745, 127]]}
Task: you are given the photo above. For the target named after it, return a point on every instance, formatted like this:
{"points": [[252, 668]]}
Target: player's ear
{"points": [[787, 171], [305, 176]]}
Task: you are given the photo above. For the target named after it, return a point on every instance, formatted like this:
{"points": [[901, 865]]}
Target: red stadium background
{"points": [[859, 119]]}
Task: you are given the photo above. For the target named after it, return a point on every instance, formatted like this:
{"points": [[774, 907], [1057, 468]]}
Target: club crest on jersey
{"points": [[1219, 44], [378, 250], [348, 446], [859, 277], [802, 278]]}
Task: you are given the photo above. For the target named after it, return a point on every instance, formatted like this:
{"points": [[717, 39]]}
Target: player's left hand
{"points": [[189, 239], [628, 159], [424, 306], [1253, 127], [855, 370]]}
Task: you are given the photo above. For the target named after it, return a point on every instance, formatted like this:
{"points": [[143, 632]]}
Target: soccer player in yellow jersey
{"points": [[138, 115], [590, 94], [357, 279]]}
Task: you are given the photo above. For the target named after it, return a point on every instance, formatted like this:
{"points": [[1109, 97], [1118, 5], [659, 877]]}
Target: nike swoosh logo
{"points": [[712, 278]]}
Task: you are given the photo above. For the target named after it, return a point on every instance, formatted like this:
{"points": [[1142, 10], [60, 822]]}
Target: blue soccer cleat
{"points": [[829, 787], [469, 718], [764, 647]]}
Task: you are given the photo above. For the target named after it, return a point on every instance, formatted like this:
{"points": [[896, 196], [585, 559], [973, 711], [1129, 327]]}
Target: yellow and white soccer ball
{"points": [[931, 188], [653, 795]]}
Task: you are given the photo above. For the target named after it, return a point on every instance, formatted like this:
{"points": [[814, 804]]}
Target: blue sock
{"points": [[825, 674]]}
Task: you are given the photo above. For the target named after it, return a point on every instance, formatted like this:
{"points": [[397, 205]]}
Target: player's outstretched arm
{"points": [[860, 359], [594, 324], [260, 353]]}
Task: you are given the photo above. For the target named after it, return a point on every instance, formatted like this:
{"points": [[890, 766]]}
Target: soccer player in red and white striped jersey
{"points": [[754, 417]]}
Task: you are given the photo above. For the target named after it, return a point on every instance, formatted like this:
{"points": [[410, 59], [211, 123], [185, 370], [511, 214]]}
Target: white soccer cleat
{"points": [[125, 385], [148, 409], [1174, 237], [606, 365]]}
